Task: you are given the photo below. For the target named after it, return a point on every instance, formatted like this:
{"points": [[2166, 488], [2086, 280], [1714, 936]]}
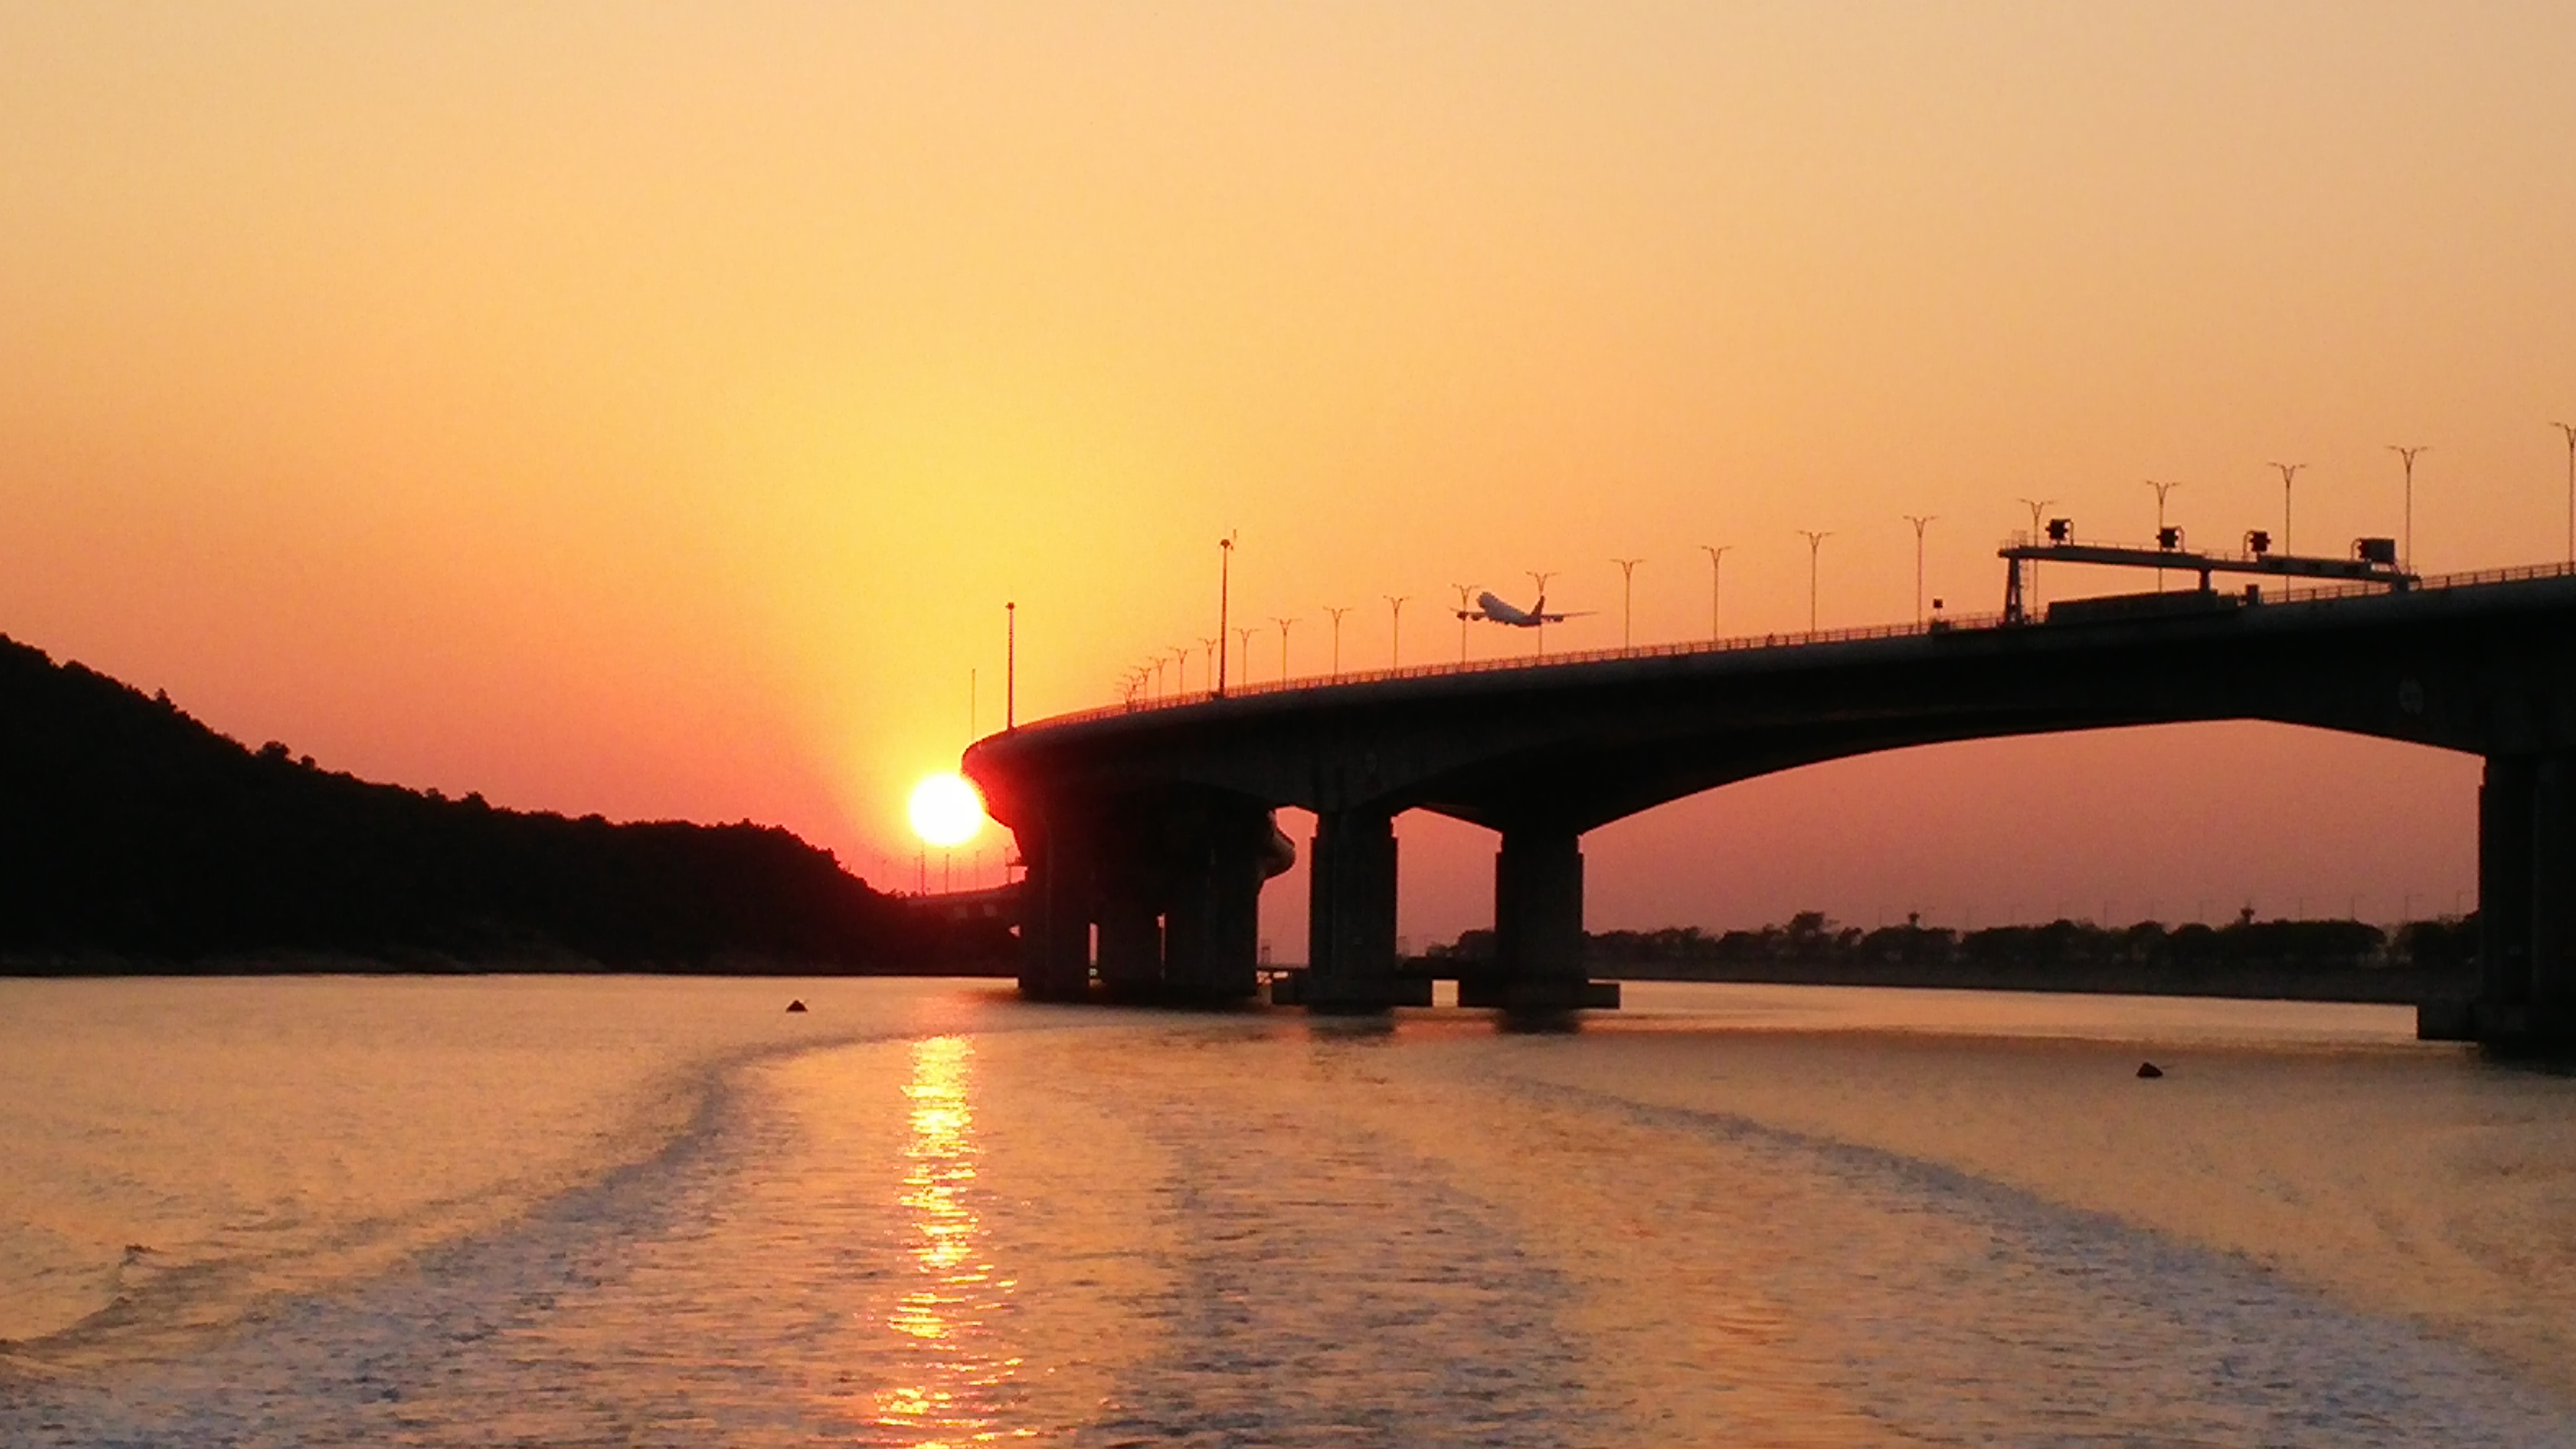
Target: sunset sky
{"points": [[647, 409]]}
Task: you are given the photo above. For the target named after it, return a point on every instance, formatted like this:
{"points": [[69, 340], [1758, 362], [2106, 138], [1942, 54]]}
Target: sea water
{"points": [[611, 1211]]}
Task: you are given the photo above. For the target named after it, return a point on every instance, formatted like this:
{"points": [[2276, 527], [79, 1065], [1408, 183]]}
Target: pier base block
{"points": [[1347, 993], [1544, 994]]}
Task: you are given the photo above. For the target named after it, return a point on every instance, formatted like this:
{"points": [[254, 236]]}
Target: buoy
{"points": [[2150, 1069], [797, 1005]]}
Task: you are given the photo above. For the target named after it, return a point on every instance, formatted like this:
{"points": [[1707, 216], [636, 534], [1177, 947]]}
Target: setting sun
{"points": [[946, 810]]}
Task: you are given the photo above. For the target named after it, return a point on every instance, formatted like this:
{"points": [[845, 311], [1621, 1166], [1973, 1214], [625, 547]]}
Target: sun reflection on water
{"points": [[954, 1293]]}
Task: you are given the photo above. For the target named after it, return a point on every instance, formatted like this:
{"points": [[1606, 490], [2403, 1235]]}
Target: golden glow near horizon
{"points": [[649, 412]]}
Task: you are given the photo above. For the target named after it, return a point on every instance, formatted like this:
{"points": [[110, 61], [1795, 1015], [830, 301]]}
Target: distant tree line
{"points": [[130, 833], [1811, 941]]}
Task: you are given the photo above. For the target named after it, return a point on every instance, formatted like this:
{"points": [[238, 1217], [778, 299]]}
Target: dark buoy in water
{"points": [[796, 1005], [2147, 1070]]}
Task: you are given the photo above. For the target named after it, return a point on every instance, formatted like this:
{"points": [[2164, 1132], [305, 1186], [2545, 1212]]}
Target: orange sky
{"points": [[646, 409]]}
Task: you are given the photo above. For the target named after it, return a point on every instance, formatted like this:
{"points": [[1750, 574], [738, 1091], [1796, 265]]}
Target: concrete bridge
{"points": [[1154, 822]]}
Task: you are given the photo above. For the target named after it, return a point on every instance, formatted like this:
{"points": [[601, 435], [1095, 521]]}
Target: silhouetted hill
{"points": [[128, 829]]}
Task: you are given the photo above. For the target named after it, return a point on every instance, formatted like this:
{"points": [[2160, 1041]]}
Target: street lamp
{"points": [[1337, 636], [2038, 506], [2570, 430], [1181, 670], [1224, 583], [2406, 541], [1395, 632], [1716, 555], [1815, 545], [1627, 600], [1245, 633], [1921, 521], [1283, 645], [1215, 665], [2289, 471], [2162, 488], [1464, 618], [1540, 608]]}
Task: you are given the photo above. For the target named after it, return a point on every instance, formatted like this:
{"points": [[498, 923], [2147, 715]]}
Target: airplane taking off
{"points": [[1492, 608]]}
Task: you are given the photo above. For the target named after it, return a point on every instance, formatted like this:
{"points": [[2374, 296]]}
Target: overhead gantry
{"points": [[1151, 829]]}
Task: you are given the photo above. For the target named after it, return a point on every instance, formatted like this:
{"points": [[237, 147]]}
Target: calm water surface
{"points": [[620, 1211]]}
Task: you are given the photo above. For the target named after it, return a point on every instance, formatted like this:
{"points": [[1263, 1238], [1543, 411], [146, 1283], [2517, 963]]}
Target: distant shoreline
{"points": [[2370, 986]]}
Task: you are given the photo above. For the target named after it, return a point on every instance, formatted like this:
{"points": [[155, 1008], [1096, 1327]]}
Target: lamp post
{"points": [[2038, 506], [1395, 633], [2289, 471], [1181, 670], [1921, 521], [1540, 608], [2570, 430], [1214, 664], [1224, 586], [1337, 614], [2406, 539], [1010, 664], [1716, 555], [1283, 645], [1815, 547], [1245, 633], [1627, 600], [2162, 488], [1464, 618]]}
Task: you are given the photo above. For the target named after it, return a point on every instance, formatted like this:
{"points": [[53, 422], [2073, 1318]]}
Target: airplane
{"points": [[1492, 608]]}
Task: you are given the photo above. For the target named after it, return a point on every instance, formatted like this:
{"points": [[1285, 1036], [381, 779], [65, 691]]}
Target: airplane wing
{"points": [[1556, 618]]}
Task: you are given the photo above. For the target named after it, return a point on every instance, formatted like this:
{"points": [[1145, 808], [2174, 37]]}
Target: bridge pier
{"points": [[1350, 919], [1055, 914], [1131, 937], [1538, 928], [1212, 920], [2526, 902]]}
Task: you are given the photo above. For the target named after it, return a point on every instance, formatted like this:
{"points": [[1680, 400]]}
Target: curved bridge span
{"points": [[1154, 823]]}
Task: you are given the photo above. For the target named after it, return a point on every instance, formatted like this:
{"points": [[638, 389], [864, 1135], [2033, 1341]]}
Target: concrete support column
{"points": [[2506, 834], [1131, 938], [1538, 905], [1212, 938], [1350, 897], [1538, 927], [2553, 893], [1350, 919], [1055, 915]]}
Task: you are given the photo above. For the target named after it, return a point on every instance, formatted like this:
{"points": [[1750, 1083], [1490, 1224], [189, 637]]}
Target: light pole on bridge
{"points": [[1337, 614], [2406, 538], [1921, 521], [1815, 548], [1283, 645], [2570, 430], [1463, 619], [2162, 488], [1224, 586], [1395, 631], [2289, 472], [2038, 506], [1541, 579], [1716, 555], [1245, 632], [1627, 600]]}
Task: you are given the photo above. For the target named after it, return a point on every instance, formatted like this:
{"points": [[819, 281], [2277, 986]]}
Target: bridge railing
{"points": [[1777, 640]]}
